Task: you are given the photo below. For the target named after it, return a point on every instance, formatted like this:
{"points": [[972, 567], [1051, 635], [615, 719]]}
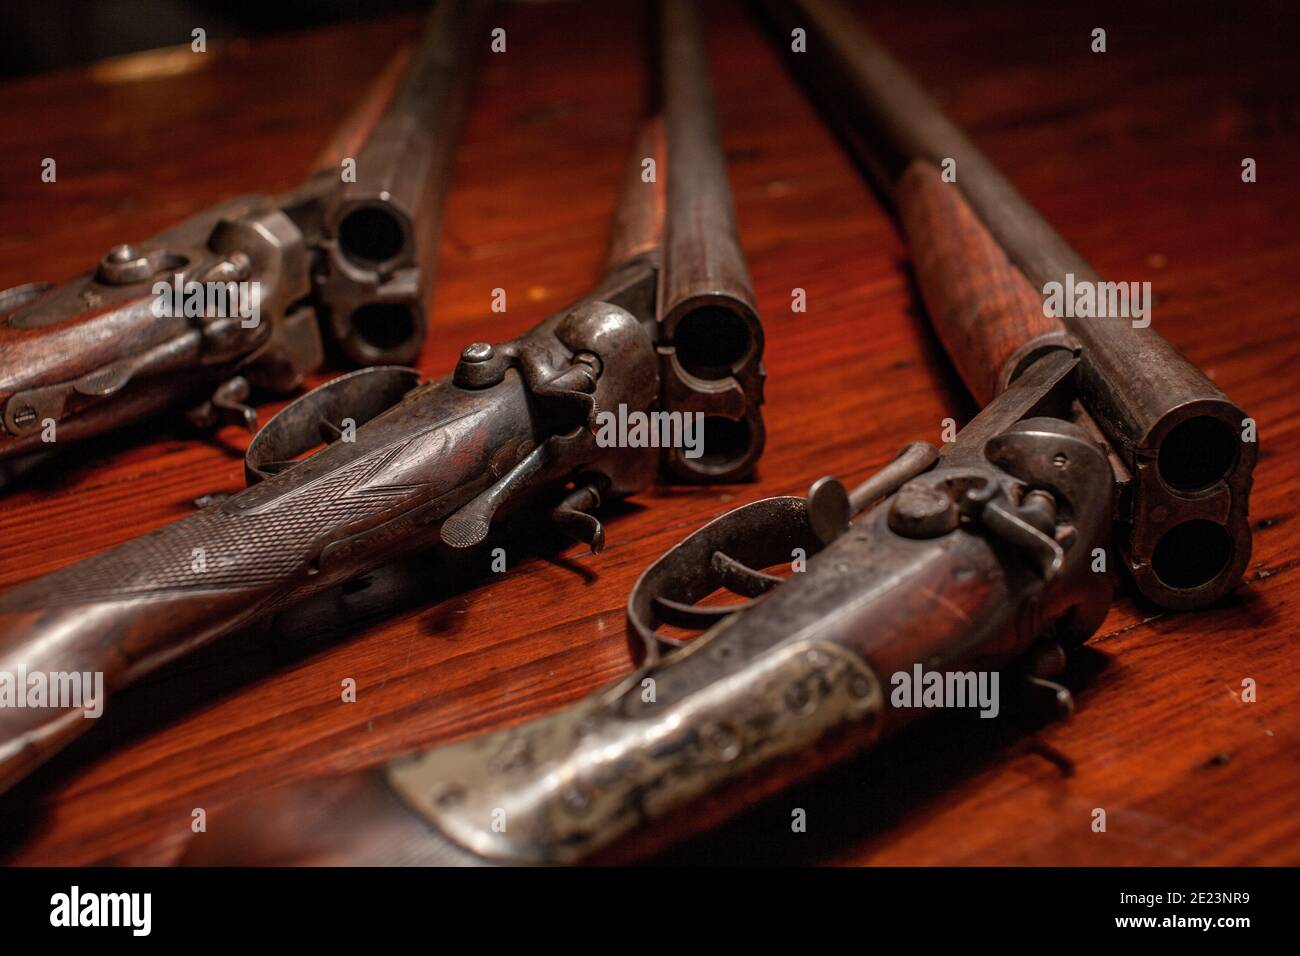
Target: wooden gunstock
{"points": [[982, 307]]}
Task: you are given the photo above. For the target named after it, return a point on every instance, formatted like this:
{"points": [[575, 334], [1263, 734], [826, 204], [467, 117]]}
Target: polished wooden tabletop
{"points": [[1135, 155]]}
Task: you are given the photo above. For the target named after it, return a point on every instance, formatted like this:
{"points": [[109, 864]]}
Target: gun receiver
{"points": [[248, 294], [982, 557], [433, 464]]}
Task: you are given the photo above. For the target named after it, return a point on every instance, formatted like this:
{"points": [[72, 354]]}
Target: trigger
{"points": [[740, 578], [1043, 663], [227, 406], [573, 517]]}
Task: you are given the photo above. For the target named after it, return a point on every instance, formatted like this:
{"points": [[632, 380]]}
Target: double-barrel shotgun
{"points": [[256, 292], [990, 556], [670, 335]]}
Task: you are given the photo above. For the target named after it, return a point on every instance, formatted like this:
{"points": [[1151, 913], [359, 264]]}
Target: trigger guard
{"points": [[759, 535], [359, 395]]}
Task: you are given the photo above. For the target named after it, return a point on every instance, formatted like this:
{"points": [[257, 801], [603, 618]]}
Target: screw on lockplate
{"points": [[480, 366]]}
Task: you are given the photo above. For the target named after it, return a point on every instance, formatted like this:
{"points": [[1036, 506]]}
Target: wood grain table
{"points": [[1134, 154]]}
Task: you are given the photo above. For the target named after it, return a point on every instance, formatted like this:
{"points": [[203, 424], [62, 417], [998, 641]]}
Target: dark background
{"points": [[53, 34]]}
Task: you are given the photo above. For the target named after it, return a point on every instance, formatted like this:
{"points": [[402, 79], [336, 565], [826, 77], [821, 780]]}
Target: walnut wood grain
{"points": [[983, 308], [1135, 154]]}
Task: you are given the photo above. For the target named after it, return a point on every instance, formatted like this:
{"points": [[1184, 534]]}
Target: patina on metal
{"points": [[987, 555], [706, 301], [1187, 474], [569, 784], [979, 558], [344, 262], [408, 466]]}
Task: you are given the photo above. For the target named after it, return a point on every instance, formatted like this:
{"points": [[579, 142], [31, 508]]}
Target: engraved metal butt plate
{"points": [[555, 790]]}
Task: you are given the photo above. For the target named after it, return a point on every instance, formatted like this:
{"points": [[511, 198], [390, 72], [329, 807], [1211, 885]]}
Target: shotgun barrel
{"points": [[677, 264], [706, 300], [1181, 512], [262, 285], [958, 570], [381, 228], [422, 466]]}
